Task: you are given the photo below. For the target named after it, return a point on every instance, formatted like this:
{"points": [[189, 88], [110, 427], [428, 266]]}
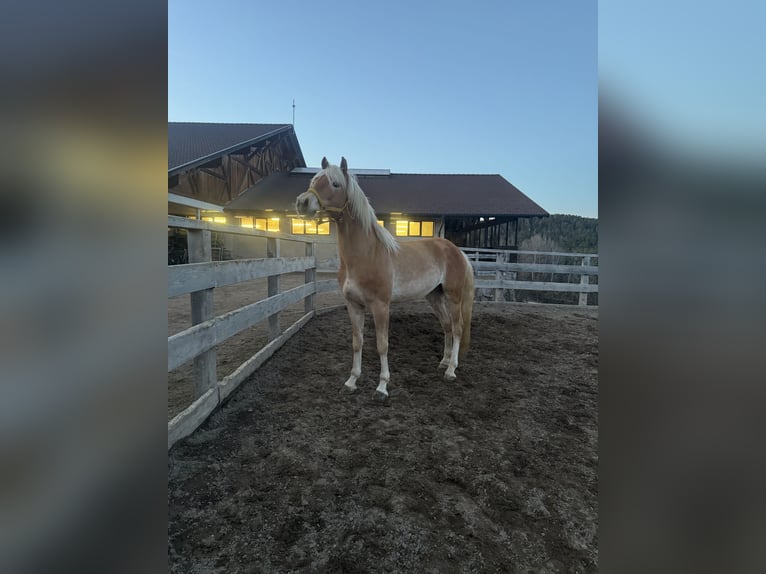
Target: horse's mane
{"points": [[361, 210]]}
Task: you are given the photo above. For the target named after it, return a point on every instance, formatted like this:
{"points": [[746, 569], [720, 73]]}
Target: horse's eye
{"points": [[335, 184]]}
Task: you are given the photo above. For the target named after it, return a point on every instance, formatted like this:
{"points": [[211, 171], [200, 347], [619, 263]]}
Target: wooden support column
{"points": [[311, 276], [272, 250], [584, 280], [200, 250]]}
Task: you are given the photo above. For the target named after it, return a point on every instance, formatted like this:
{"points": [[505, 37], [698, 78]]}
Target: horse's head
{"points": [[327, 191]]}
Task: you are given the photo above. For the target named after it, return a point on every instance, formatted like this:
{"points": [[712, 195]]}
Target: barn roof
{"points": [[191, 144], [409, 193]]}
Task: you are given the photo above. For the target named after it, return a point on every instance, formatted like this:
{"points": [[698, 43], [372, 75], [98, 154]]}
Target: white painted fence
{"points": [[199, 278], [511, 270], [495, 269]]}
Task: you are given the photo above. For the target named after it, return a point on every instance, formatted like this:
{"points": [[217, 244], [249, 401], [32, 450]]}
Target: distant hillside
{"points": [[570, 233]]}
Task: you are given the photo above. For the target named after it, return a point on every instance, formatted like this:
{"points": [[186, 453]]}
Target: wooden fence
{"points": [[199, 278], [495, 269], [505, 272]]}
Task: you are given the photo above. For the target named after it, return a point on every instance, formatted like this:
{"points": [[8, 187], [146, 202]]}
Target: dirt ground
{"points": [[496, 472]]}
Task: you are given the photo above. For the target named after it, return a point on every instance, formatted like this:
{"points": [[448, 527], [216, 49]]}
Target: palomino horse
{"points": [[376, 270]]}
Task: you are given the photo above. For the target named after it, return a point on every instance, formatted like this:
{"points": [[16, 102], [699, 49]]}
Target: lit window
{"points": [[207, 219], [406, 228], [260, 224], [273, 224], [245, 221], [219, 219], [302, 226], [380, 222]]}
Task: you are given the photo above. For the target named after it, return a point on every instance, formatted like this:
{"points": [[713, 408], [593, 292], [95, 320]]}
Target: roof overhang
{"points": [[195, 203]]}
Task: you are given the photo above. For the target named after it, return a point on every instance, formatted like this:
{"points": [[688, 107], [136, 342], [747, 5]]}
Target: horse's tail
{"points": [[466, 308]]}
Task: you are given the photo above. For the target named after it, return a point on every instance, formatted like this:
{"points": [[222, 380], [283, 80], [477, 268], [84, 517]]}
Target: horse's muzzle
{"points": [[304, 205]]}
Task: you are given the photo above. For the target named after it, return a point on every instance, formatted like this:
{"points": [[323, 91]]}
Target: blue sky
{"points": [[427, 87]]}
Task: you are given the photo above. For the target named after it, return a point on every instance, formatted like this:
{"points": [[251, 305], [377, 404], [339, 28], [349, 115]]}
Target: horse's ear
{"points": [[325, 163], [343, 166]]}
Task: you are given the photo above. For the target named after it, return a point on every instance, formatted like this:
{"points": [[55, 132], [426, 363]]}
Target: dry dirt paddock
{"points": [[496, 472]]}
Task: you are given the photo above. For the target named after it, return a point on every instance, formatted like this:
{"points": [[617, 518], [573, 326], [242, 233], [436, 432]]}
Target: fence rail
{"points": [[512, 271]]}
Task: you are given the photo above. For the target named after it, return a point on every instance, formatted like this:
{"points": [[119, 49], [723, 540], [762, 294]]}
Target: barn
{"points": [[249, 175], [471, 210]]}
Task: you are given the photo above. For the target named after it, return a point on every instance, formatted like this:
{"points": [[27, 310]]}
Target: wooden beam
{"points": [[535, 286], [211, 173], [200, 250], [310, 276], [226, 178], [535, 268], [584, 280], [197, 276], [197, 339], [188, 420], [272, 250]]}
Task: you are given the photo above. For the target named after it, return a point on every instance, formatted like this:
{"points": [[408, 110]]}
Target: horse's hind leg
{"points": [[356, 314], [439, 305], [380, 312], [456, 315]]}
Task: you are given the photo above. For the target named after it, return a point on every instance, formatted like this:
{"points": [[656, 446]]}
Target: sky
{"points": [[506, 87]]}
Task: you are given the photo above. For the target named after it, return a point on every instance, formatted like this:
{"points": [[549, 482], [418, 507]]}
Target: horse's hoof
{"points": [[347, 390], [381, 395], [449, 378]]}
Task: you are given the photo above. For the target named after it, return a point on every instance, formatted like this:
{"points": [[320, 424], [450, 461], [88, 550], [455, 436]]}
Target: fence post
{"points": [[311, 276], [200, 250], [584, 280], [499, 276], [512, 258], [272, 250]]}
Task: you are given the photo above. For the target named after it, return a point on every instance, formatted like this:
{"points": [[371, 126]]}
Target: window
{"points": [[245, 221], [380, 222], [405, 228], [273, 224], [310, 227], [259, 223], [214, 219]]}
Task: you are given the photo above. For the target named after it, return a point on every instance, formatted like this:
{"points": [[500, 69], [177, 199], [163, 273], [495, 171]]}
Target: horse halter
{"points": [[329, 208]]}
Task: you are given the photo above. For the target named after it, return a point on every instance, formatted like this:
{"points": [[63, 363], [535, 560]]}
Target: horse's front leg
{"points": [[356, 314], [380, 315]]}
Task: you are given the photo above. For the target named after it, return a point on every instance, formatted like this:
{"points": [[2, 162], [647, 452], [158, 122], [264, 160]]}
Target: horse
{"points": [[376, 270]]}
